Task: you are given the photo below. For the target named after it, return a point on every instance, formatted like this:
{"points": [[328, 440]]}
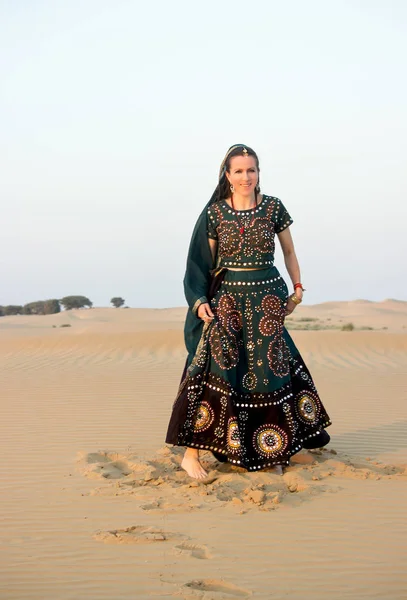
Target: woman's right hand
{"points": [[205, 313]]}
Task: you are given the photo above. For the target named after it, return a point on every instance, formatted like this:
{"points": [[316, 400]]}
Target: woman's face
{"points": [[243, 174]]}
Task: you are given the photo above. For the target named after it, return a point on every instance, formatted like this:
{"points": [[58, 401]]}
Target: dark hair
{"points": [[223, 188]]}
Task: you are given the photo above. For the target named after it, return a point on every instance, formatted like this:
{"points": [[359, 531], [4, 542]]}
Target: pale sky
{"points": [[115, 117]]}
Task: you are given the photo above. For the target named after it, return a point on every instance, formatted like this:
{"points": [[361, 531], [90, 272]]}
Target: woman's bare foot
{"points": [[190, 463]]}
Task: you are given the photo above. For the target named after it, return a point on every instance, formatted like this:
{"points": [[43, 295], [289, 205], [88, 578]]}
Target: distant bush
{"points": [[366, 328], [348, 327], [117, 301], [295, 325], [12, 309], [46, 307], [307, 319], [66, 325], [70, 302], [42, 307]]}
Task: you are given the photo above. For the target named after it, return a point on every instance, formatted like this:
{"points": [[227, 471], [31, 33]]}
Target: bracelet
{"points": [[295, 299], [298, 285]]}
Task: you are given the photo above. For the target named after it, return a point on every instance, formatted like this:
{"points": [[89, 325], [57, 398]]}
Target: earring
{"points": [[257, 188], [232, 189]]}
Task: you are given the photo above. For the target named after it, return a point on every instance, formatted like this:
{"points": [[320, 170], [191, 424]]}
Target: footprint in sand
{"points": [[194, 550], [111, 465], [137, 534], [218, 588], [98, 465]]}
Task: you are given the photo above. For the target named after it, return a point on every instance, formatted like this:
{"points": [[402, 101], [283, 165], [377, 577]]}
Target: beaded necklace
{"points": [[241, 226]]}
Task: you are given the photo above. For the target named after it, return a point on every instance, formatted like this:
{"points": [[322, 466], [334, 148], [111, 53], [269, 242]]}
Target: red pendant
{"points": [[241, 230]]}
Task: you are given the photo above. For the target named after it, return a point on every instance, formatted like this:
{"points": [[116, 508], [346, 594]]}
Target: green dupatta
{"points": [[197, 281], [199, 271]]}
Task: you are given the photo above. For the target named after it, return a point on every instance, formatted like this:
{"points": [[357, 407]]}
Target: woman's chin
{"points": [[246, 190]]}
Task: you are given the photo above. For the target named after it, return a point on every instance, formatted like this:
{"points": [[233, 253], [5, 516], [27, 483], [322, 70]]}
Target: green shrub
{"points": [[42, 307], [117, 301], [348, 327], [12, 309], [70, 302], [307, 319]]}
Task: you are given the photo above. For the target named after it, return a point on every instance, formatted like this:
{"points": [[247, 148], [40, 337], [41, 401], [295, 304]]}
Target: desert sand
{"points": [[95, 506]]}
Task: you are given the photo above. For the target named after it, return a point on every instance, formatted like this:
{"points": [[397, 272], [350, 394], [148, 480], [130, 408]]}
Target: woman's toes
{"points": [[193, 467]]}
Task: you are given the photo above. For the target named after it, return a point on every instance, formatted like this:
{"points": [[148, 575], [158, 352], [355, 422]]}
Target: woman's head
{"points": [[240, 169]]}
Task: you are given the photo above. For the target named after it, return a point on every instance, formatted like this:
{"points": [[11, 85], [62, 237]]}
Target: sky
{"points": [[115, 117]]}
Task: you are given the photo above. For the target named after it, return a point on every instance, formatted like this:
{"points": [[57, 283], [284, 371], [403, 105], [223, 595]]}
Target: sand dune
{"points": [[95, 506], [388, 313]]}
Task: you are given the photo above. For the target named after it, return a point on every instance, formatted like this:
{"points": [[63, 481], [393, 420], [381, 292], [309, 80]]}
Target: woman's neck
{"points": [[242, 202]]}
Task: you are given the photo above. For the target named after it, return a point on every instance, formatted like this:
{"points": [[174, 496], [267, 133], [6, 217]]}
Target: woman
{"points": [[246, 394]]}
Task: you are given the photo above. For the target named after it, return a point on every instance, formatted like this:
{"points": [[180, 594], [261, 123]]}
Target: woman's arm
{"points": [[291, 262]]}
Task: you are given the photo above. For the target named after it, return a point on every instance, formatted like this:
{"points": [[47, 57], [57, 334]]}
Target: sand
{"points": [[95, 506]]}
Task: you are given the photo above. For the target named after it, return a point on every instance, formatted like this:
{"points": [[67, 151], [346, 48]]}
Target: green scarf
{"points": [[199, 270]]}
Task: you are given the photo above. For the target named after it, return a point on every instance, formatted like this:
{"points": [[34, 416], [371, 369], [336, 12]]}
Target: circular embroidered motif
{"points": [[222, 339], [192, 395], [224, 401], [307, 407], [204, 417], [270, 440], [273, 314], [229, 239], [233, 439], [249, 380], [278, 356], [219, 432]]}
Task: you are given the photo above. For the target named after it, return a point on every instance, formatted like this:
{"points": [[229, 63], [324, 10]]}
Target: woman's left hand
{"points": [[291, 306]]}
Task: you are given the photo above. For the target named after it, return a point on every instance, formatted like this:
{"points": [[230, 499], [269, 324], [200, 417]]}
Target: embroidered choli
{"points": [[255, 247]]}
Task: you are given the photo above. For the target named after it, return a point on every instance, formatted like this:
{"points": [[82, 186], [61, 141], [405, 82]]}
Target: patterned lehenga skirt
{"points": [[247, 395]]}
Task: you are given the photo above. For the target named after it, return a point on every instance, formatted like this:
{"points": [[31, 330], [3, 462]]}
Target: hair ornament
{"points": [[245, 152]]}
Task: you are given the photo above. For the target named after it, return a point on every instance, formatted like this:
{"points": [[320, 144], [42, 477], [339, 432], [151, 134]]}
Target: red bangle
{"points": [[298, 285]]}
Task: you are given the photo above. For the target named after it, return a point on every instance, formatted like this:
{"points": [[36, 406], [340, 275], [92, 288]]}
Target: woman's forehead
{"points": [[242, 162]]}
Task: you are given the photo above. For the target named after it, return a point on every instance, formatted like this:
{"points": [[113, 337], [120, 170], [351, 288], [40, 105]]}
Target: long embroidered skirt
{"points": [[247, 393]]}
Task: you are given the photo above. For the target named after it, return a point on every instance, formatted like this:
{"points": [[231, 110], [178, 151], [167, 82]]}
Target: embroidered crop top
{"points": [[255, 247]]}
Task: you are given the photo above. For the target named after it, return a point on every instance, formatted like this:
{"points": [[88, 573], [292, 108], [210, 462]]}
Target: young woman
{"points": [[246, 394]]}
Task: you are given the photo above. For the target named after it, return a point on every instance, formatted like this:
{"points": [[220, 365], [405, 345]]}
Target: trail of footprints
{"points": [[139, 534], [159, 484]]}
